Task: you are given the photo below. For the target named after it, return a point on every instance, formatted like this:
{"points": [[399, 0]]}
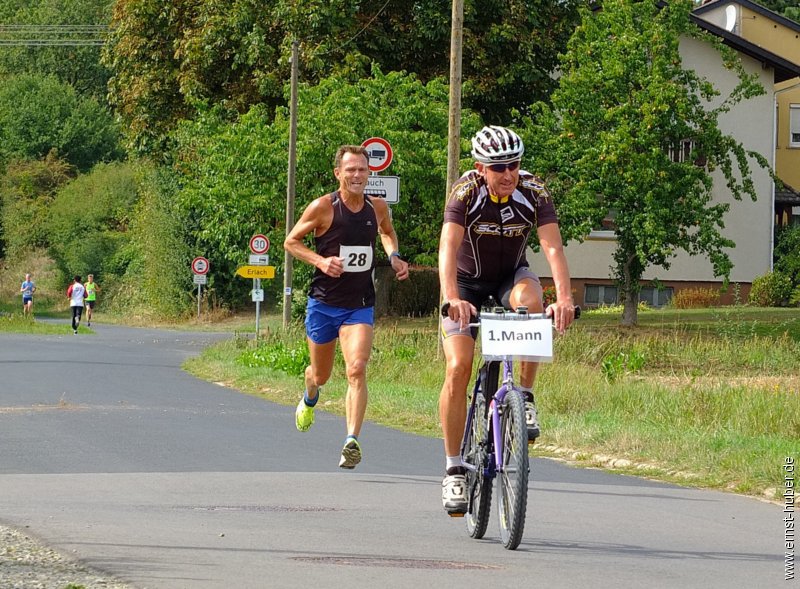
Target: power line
{"points": [[53, 35]]}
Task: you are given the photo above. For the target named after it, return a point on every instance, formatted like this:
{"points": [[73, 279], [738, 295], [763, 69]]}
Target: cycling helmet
{"points": [[496, 145]]}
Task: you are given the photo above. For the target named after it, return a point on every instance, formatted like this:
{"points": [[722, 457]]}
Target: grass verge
{"points": [[706, 398]]}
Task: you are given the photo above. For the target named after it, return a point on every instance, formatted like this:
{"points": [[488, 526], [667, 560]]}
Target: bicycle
{"points": [[495, 443]]}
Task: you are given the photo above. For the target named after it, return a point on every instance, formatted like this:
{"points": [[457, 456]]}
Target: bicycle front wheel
{"points": [[479, 487], [513, 479]]}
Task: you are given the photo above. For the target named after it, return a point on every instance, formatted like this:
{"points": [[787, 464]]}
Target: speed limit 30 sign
{"points": [[259, 244]]}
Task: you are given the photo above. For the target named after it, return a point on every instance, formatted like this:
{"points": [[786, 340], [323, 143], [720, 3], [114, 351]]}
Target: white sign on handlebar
{"points": [[521, 339]]}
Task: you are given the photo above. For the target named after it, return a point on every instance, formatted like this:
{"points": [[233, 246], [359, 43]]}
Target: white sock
{"points": [[453, 462]]}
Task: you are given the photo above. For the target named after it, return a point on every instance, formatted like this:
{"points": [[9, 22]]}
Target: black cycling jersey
{"points": [[496, 230]]}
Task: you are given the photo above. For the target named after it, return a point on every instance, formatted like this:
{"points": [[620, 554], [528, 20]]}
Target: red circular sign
{"points": [[380, 153], [200, 265], [259, 244]]}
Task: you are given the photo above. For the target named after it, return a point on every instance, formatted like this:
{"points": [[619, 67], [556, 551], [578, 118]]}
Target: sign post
{"points": [[259, 246], [200, 267]]}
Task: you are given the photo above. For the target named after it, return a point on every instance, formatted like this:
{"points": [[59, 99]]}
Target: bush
{"points": [[794, 300], [695, 298], [416, 297], [770, 290], [89, 217], [27, 191], [786, 254]]}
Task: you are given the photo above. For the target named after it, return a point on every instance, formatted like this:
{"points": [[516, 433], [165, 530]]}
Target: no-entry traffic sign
{"points": [[380, 153], [200, 265]]}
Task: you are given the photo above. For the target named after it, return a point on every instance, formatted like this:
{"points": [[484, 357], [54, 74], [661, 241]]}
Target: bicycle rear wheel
{"points": [[479, 486], [513, 479]]}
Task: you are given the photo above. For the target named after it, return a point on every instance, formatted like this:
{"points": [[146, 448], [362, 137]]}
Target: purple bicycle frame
{"points": [[499, 397], [496, 464]]}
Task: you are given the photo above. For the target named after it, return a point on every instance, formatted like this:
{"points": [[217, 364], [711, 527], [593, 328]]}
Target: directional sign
{"points": [[256, 271], [258, 295], [385, 187], [200, 265], [259, 244], [380, 153]]}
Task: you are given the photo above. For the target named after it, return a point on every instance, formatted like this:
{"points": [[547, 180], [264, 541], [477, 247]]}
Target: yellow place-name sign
{"points": [[256, 271]]}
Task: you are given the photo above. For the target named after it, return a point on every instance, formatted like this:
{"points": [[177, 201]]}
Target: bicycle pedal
{"points": [[455, 514]]}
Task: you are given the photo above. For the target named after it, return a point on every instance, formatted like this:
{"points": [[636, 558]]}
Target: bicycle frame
{"points": [[495, 462]]}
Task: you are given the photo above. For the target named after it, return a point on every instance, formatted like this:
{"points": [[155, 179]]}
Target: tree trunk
{"points": [[630, 312]]}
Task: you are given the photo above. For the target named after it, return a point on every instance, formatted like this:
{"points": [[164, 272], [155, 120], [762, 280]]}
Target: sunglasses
{"points": [[500, 168]]}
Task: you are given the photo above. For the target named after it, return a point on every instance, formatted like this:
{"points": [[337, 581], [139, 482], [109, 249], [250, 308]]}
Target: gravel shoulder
{"points": [[26, 563]]}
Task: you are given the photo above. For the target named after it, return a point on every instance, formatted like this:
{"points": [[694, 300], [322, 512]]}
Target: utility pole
{"points": [[454, 122], [288, 265], [454, 125]]}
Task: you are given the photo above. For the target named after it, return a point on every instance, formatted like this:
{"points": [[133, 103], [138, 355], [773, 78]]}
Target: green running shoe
{"points": [[351, 454], [303, 416]]}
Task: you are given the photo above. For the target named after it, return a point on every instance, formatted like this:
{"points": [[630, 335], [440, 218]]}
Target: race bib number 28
{"points": [[357, 258]]}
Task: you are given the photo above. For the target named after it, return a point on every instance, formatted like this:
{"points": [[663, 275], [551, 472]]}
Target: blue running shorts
{"points": [[323, 321]]}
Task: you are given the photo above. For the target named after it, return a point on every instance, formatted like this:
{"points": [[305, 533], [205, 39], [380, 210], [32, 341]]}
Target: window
{"points": [[600, 294], [794, 125], [681, 151], [607, 227], [655, 297]]}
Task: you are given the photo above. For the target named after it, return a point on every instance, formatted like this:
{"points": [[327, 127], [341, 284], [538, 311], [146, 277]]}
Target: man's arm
{"points": [[389, 239], [317, 216], [563, 310], [449, 242]]}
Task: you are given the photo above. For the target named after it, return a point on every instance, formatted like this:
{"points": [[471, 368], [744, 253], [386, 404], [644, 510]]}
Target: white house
{"points": [[749, 224]]}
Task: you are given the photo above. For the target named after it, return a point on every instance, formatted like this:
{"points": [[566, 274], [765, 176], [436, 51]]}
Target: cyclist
{"points": [[340, 305], [489, 215]]}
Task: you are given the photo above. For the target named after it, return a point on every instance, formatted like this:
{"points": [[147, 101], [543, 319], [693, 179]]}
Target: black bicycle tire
{"points": [[479, 487], [512, 500]]}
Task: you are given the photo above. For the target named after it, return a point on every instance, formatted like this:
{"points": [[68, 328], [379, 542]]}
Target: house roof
{"points": [[787, 22], [783, 68]]}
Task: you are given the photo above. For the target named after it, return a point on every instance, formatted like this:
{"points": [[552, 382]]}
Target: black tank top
{"points": [[351, 236]]}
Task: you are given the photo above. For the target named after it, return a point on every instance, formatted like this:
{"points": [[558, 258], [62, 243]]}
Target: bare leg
{"points": [[459, 351], [526, 294], [319, 371], [356, 343]]}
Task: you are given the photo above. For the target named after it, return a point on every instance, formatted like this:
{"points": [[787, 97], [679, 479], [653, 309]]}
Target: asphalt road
{"points": [[113, 455]]}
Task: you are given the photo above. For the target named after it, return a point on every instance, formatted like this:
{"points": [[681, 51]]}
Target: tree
{"points": [[169, 58], [39, 114], [787, 8], [623, 105], [27, 190], [234, 174], [76, 65], [89, 218]]}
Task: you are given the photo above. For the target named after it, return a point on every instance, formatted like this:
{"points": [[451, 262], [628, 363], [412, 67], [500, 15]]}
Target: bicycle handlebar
{"points": [[473, 320]]}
